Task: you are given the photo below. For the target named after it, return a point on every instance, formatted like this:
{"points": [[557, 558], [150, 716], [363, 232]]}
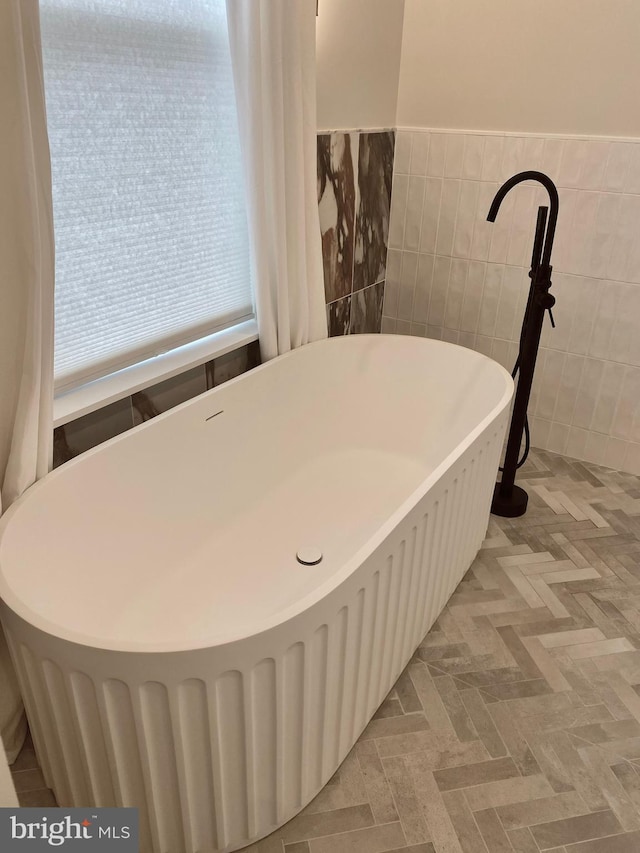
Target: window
{"points": [[149, 213]]}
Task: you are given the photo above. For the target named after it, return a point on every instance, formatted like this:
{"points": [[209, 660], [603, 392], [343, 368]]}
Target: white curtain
{"points": [[273, 55], [26, 282]]}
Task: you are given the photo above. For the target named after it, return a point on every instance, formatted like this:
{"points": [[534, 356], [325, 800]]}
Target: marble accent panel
{"points": [[355, 173], [366, 309], [337, 153], [90, 430], [339, 316], [375, 176], [84, 433], [232, 364], [165, 395], [62, 452]]}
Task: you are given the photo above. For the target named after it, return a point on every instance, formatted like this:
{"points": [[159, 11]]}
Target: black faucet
{"points": [[510, 500]]}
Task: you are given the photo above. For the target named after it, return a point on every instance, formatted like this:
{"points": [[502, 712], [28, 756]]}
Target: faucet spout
{"points": [[550, 187]]}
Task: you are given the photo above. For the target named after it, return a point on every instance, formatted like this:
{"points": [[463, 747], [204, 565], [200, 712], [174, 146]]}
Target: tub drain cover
{"points": [[309, 555]]}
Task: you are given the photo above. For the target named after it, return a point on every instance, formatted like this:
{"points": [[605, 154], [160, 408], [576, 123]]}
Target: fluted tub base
{"points": [[219, 746]]}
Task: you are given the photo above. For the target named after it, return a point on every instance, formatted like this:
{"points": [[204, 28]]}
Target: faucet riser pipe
{"points": [[508, 498]]}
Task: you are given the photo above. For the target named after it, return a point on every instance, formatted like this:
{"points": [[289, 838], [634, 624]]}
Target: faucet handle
{"points": [[548, 300]]}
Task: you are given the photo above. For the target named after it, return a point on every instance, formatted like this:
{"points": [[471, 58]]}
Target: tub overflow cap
{"points": [[309, 555]]}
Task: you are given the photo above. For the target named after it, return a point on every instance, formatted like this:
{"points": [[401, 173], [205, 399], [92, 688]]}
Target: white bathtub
{"points": [[173, 654]]}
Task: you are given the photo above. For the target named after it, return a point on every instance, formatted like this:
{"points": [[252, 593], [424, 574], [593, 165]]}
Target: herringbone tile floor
{"points": [[516, 725]]}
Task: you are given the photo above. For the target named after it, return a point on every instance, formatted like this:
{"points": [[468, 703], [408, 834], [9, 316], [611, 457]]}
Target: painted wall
{"points": [[358, 47], [521, 65]]}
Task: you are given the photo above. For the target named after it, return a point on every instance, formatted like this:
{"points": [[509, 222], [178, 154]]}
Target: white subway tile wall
{"points": [[454, 276]]}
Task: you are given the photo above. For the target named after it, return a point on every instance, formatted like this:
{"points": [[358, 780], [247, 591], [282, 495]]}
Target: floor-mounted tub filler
{"points": [[206, 611]]}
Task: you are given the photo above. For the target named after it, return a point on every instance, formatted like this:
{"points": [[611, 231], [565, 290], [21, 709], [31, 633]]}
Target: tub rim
{"points": [[14, 603]]}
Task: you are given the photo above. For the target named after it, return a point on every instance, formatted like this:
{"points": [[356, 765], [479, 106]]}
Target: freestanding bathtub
{"points": [[173, 653]]}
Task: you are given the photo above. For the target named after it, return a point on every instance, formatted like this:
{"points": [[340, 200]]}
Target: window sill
{"points": [[94, 395]]}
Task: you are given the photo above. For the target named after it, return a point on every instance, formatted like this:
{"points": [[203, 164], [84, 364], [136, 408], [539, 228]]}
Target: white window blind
{"points": [[149, 213]]}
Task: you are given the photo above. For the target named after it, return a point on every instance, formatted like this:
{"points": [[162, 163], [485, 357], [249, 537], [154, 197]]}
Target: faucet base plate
{"points": [[509, 507]]}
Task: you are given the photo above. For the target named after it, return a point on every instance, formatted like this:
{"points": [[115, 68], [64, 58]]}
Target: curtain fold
{"points": [[273, 56], [27, 283]]}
